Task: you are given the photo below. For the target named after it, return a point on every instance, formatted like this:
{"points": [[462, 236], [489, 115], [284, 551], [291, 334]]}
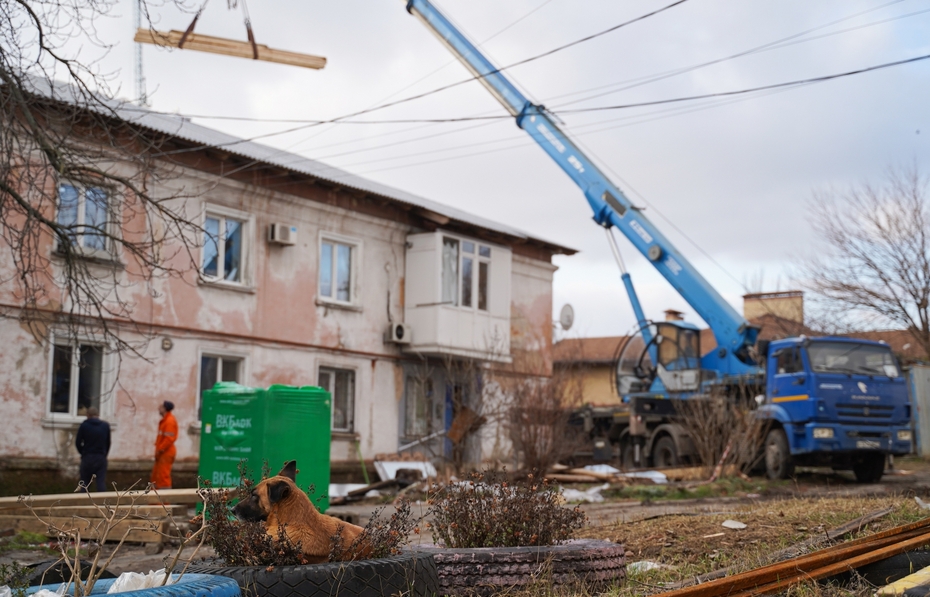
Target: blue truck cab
{"points": [[834, 401]]}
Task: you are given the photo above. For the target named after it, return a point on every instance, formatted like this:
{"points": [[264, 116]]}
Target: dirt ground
{"points": [[683, 534]]}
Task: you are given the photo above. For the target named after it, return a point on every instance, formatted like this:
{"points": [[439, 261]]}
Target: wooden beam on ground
{"points": [[152, 512], [140, 531], [227, 47], [112, 498]]}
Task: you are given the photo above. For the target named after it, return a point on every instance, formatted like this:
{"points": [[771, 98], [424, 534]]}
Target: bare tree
{"points": [[872, 260], [87, 219]]}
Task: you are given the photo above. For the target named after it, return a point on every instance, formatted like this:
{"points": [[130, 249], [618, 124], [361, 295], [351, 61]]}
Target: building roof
{"points": [[182, 128], [593, 351]]}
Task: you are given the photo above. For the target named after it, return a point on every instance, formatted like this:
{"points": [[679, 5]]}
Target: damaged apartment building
{"points": [[398, 305]]}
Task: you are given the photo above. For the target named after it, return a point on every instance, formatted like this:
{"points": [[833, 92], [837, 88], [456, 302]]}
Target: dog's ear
{"points": [[277, 491], [289, 470]]}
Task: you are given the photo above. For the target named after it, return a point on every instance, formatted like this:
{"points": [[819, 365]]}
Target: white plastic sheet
{"points": [[134, 581], [591, 495], [6, 591]]}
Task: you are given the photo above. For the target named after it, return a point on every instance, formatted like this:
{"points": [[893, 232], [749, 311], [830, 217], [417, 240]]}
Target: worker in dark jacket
{"points": [[93, 443]]}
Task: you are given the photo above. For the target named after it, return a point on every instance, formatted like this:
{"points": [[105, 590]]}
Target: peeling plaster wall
{"points": [[274, 321]]}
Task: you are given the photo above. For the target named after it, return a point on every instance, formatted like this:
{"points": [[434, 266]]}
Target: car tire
{"points": [[664, 453], [409, 574], [188, 585], [485, 571], [869, 468], [56, 571], [778, 462]]}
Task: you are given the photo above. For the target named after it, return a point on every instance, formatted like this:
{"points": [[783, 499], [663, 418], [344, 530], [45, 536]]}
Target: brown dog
{"points": [[282, 505]]}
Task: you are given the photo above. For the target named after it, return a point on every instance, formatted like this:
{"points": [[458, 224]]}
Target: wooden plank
{"points": [[147, 512], [143, 531], [228, 47], [113, 498]]}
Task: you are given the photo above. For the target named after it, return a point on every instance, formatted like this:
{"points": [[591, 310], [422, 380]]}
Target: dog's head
{"points": [[266, 494]]}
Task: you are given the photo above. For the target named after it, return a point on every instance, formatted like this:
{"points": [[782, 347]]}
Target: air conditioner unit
{"points": [[282, 234], [400, 333]]}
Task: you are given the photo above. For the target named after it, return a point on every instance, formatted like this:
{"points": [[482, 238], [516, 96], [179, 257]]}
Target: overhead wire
{"points": [[343, 118], [772, 45]]}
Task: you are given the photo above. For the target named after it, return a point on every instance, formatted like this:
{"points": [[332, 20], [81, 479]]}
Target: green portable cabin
{"points": [[273, 425]]}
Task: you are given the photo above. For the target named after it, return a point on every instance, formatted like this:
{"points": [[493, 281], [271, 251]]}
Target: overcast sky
{"points": [[735, 175]]}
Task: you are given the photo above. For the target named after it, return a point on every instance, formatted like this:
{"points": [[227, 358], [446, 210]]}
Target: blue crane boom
{"points": [[610, 206]]}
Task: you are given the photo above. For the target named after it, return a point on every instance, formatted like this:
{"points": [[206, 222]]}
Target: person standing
{"points": [[93, 444], [164, 446]]}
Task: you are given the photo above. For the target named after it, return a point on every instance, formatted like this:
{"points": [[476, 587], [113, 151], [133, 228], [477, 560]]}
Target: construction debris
{"points": [[227, 47], [827, 562]]}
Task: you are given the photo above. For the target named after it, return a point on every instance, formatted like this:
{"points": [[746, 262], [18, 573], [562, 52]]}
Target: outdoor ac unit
{"points": [[282, 234], [400, 333]]}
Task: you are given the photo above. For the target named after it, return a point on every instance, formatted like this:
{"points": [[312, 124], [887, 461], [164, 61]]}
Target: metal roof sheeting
{"points": [[183, 128]]}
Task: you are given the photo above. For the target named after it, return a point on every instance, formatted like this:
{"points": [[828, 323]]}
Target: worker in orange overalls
{"points": [[164, 446]]}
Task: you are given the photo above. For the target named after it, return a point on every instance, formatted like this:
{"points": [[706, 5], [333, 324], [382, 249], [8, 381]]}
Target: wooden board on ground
{"points": [[125, 498], [227, 47], [152, 512], [141, 531]]}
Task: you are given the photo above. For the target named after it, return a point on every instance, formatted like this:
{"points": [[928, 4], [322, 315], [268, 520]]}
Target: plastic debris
{"points": [[135, 581], [734, 524], [923, 505], [604, 469], [646, 566], [654, 476], [590, 495], [6, 591]]}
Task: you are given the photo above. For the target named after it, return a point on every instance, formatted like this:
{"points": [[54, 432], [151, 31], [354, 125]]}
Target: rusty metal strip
{"points": [[807, 563], [839, 567]]}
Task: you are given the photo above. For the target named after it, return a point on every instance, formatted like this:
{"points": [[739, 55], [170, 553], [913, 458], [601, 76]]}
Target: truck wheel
{"points": [[778, 463], [626, 457], [869, 468], [664, 454]]}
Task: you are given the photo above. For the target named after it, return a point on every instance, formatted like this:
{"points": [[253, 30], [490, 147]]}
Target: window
{"points": [[214, 369], [417, 408], [474, 262], [340, 383], [223, 255], [77, 378], [84, 211], [337, 268], [788, 360]]}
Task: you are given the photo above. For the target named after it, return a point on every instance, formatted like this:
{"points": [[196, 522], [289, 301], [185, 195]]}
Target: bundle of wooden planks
{"points": [[139, 516], [227, 47]]}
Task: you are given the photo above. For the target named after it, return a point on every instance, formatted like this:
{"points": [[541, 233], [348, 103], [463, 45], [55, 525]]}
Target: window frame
{"points": [[477, 260], [211, 210], [420, 389], [220, 354], [351, 406], [355, 260], [59, 339], [110, 228]]}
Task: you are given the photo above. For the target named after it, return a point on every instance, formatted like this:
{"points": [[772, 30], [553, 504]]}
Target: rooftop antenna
{"points": [[141, 95]]}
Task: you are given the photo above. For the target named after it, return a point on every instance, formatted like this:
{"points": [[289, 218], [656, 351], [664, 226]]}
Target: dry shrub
{"points": [[724, 431], [538, 416], [489, 510], [385, 537]]}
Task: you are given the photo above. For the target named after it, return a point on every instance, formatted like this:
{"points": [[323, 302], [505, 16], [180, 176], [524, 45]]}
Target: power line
{"points": [[777, 44], [342, 119], [799, 82]]}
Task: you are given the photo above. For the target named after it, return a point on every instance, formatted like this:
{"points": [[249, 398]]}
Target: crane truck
{"points": [[831, 401]]}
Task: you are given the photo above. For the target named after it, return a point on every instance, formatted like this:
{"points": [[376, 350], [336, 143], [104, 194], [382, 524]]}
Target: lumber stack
{"points": [[227, 47], [140, 517]]}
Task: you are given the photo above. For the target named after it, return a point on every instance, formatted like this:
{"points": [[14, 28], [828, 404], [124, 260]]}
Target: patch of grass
{"points": [[726, 487], [24, 540]]}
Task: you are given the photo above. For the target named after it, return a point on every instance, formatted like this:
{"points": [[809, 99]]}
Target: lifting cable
{"points": [[231, 4]]}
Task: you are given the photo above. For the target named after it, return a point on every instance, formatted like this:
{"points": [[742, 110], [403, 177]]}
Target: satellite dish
{"points": [[566, 317]]}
